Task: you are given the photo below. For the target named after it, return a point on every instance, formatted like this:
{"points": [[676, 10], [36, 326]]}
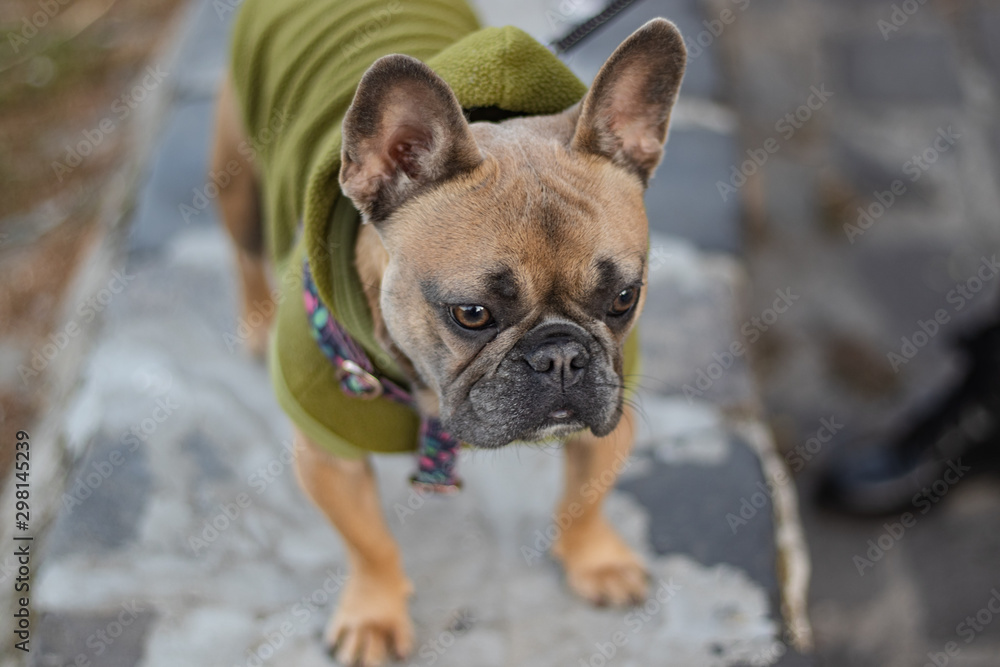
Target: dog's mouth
{"points": [[562, 415], [542, 434], [560, 422], [557, 424]]}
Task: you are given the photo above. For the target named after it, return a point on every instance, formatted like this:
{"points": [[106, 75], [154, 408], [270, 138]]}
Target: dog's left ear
{"points": [[404, 130], [625, 115]]}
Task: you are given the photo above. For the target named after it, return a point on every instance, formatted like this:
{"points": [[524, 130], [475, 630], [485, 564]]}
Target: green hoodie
{"points": [[296, 65]]}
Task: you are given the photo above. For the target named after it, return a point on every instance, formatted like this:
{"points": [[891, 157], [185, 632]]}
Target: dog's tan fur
{"points": [[590, 165]]}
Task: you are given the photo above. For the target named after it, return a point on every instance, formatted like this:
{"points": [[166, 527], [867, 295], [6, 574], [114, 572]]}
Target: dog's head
{"points": [[517, 250]]}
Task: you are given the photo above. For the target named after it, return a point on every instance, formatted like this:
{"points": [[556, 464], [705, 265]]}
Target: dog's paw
{"points": [[371, 624], [600, 567]]}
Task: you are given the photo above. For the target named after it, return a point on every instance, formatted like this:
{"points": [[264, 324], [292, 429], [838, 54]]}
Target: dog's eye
{"points": [[472, 317], [624, 301]]}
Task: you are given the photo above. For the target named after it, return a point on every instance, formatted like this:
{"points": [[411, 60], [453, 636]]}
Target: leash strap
{"points": [[584, 30], [437, 450]]}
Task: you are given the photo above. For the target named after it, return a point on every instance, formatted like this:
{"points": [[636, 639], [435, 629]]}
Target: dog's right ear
{"points": [[625, 115], [403, 131]]}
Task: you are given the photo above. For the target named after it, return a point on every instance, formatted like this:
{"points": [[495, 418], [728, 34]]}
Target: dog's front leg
{"points": [[599, 565], [372, 619]]}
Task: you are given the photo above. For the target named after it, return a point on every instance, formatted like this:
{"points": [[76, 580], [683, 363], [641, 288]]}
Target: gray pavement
{"points": [[178, 535]]}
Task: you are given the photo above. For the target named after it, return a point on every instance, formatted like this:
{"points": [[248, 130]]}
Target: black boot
{"points": [[958, 433]]}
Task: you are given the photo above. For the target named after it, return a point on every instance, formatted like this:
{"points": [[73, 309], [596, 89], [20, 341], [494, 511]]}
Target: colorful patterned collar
{"points": [[437, 451]]}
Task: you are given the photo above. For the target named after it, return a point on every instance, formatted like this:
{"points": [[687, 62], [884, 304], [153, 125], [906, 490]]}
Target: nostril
{"points": [[541, 361], [579, 359]]}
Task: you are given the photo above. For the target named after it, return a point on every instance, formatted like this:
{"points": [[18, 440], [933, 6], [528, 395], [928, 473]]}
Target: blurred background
{"points": [[843, 155]]}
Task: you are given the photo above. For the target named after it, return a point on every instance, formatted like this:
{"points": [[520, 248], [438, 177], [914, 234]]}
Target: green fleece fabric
{"points": [[296, 64]]}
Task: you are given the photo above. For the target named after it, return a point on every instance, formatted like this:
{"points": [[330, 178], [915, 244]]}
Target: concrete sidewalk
{"points": [[180, 536]]}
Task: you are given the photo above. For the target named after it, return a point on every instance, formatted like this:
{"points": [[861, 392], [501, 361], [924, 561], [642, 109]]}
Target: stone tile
{"points": [[910, 281], [689, 317], [177, 169], [918, 582], [203, 51], [209, 635], [109, 639], [866, 170], [105, 498], [791, 200], [986, 29], [995, 145], [773, 73], [703, 528], [965, 531], [907, 69], [682, 199], [677, 431], [13, 353], [282, 545]]}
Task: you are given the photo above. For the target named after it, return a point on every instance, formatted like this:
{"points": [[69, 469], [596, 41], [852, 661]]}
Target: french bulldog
{"points": [[504, 264]]}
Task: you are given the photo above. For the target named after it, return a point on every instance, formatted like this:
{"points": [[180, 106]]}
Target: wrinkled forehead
{"points": [[528, 215]]}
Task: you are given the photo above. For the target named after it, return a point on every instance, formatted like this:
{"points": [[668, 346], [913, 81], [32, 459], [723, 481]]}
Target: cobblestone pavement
{"points": [[176, 534], [871, 164]]}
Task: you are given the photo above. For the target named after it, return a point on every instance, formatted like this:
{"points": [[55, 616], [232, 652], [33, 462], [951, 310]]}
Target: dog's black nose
{"points": [[558, 357]]}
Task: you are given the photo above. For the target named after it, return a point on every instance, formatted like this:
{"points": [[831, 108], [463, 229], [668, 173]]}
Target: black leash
{"points": [[584, 30]]}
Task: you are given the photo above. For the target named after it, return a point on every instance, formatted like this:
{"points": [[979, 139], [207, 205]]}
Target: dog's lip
{"points": [[553, 429]]}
